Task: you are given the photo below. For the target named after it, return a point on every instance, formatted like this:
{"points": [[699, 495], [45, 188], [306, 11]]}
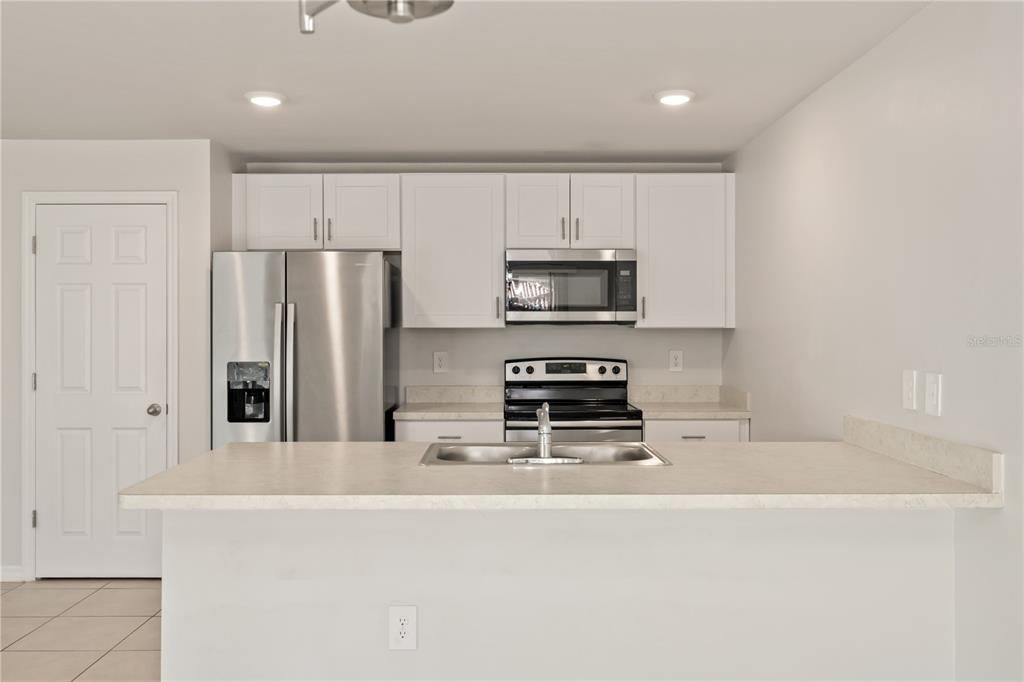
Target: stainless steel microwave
{"points": [[570, 286]]}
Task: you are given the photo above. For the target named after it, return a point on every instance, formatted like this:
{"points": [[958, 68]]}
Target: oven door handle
{"points": [[596, 423]]}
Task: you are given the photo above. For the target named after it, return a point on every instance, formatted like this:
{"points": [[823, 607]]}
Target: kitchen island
{"points": [[281, 560]]}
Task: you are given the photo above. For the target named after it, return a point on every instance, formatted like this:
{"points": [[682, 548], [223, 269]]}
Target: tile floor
{"points": [[80, 630]]}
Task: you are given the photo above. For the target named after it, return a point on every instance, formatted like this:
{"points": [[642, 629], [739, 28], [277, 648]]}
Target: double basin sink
{"points": [[528, 454]]}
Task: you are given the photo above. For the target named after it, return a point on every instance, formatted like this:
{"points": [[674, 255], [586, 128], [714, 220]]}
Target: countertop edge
{"points": [[587, 502]]}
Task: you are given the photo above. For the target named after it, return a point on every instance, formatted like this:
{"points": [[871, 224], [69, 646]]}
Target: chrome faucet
{"points": [[544, 431]]}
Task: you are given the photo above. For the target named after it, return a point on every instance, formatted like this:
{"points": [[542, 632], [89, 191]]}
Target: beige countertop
{"points": [[387, 476], [450, 411]]}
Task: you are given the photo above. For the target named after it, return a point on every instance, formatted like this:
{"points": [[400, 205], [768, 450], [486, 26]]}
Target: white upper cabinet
{"points": [[602, 211], [684, 243], [537, 211], [284, 211], [362, 211], [453, 234]]}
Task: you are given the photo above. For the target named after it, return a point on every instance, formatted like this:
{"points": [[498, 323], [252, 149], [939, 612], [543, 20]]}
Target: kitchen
{"points": [[806, 269]]}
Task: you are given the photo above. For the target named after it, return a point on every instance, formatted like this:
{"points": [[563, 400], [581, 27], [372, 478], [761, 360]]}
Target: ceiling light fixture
{"points": [[267, 100], [395, 11], [674, 98]]}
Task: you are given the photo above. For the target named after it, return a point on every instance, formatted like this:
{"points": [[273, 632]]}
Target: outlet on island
{"points": [[401, 627]]}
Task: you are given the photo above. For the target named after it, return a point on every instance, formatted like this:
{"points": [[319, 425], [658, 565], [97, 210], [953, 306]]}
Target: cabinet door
{"points": [[453, 234], [682, 250], [669, 431], [602, 211], [361, 211], [284, 211], [537, 211], [450, 431]]}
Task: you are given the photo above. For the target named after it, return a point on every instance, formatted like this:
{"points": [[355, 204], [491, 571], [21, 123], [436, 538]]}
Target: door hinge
{"points": [[33, 244], [35, 518], [33, 381]]}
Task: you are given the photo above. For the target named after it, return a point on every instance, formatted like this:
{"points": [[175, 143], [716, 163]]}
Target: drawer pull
{"points": [[449, 437], [694, 437]]}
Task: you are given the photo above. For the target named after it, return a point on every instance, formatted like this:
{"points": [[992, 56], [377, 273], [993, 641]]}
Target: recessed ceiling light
{"points": [[674, 98], [264, 99]]}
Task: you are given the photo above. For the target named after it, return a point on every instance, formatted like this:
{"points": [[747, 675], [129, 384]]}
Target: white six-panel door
{"points": [[100, 403]]}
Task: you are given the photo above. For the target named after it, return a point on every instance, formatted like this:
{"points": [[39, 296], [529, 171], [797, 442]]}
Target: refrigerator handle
{"points": [[289, 373], [275, 381]]}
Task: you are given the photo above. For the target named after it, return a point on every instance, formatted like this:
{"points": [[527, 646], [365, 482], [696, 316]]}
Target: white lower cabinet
{"points": [[453, 431], [717, 430]]}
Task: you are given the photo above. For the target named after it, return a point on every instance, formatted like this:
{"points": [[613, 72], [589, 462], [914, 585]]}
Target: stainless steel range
{"points": [[587, 399]]}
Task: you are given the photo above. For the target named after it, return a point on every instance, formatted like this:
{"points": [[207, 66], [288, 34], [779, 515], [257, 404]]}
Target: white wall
{"points": [[183, 166], [878, 228], [476, 356]]}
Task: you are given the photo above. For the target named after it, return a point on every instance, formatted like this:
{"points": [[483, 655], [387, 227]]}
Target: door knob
{"points": [[154, 410]]}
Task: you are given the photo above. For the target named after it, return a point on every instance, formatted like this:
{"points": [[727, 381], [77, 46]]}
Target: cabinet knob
{"points": [[563, 228], [315, 233], [577, 229]]}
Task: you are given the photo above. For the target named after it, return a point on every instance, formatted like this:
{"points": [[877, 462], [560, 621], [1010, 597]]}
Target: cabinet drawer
{"points": [[464, 431], [691, 430]]}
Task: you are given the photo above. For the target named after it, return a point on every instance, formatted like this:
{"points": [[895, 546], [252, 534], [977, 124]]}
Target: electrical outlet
{"points": [[440, 361], [675, 361], [933, 394], [910, 389], [401, 627]]}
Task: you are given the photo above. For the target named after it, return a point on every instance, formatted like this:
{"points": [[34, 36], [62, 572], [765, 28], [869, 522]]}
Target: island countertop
{"points": [[388, 476]]}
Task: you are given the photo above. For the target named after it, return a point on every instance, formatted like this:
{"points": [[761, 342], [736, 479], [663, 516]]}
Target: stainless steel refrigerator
{"points": [[303, 346]]}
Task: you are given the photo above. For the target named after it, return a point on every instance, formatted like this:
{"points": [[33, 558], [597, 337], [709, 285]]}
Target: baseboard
{"points": [[13, 574]]}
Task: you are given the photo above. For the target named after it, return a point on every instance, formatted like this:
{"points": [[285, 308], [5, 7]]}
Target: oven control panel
{"points": [[565, 369]]}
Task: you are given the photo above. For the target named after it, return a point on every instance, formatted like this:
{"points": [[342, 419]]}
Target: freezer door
{"points": [[246, 326], [336, 303]]}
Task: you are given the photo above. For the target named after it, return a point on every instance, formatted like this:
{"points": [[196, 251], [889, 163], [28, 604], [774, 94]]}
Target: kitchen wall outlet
{"points": [[910, 389], [933, 394], [675, 361], [440, 361], [401, 627]]}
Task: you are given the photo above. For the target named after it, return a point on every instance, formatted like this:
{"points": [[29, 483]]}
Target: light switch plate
{"points": [[933, 394], [675, 361], [910, 389], [440, 361]]}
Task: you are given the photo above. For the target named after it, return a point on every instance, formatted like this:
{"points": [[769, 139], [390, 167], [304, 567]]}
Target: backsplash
{"points": [[476, 356]]}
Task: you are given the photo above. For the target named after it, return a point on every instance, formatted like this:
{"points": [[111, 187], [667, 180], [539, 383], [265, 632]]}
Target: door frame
{"points": [[29, 202]]}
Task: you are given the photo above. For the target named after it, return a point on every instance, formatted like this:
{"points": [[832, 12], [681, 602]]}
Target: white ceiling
{"points": [[515, 81]]}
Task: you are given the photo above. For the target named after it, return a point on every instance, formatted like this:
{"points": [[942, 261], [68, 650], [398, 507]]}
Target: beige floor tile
{"points": [[45, 665], [8, 586], [13, 629], [22, 602], [125, 665], [115, 603], [65, 584], [79, 634], [136, 584], [146, 638]]}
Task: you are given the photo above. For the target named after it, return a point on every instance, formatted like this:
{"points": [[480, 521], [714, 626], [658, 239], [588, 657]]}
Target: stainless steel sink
{"points": [[526, 454]]}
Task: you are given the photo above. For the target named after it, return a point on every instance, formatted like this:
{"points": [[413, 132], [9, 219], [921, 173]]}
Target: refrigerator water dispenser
{"points": [[249, 392]]}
